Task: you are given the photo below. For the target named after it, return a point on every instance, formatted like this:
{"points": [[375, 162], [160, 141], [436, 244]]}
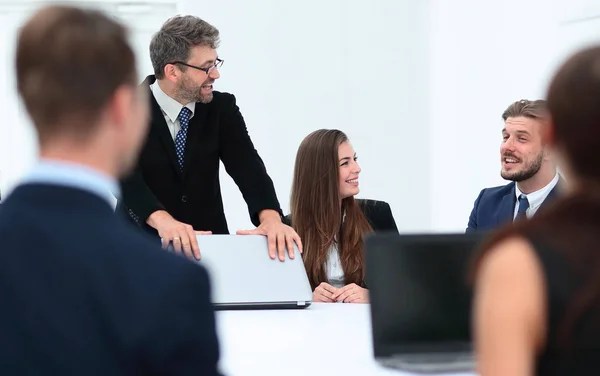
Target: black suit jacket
{"points": [[217, 132], [495, 206], [378, 213], [84, 293]]}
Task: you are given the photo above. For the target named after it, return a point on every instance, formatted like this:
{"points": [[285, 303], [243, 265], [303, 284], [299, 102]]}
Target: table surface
{"points": [[324, 339]]}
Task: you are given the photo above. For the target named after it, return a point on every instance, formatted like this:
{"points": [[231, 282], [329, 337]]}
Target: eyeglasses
{"points": [[218, 64]]}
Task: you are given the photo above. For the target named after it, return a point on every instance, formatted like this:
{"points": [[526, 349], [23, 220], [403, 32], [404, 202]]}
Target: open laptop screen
{"points": [[420, 299]]}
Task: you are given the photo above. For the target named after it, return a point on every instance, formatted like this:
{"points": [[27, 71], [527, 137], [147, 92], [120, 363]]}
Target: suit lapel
{"points": [[506, 210], [194, 132], [159, 125]]}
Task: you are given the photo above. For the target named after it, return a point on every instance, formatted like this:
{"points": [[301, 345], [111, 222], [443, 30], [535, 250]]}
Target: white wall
{"points": [[485, 55], [357, 66], [425, 119], [18, 144], [418, 85]]}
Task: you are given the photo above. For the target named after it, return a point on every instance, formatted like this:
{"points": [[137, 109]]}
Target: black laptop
{"points": [[421, 300]]}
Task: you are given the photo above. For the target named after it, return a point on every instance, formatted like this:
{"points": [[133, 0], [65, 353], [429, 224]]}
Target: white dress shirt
{"points": [[170, 108], [74, 175], [335, 273], [535, 198]]}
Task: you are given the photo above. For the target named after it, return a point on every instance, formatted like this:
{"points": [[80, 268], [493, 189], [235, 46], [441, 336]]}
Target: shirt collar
{"points": [[74, 175], [537, 198], [170, 106]]}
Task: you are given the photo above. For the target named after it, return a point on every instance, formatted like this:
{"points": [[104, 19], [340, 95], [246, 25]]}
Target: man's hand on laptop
{"points": [[324, 293], [181, 235], [279, 235], [351, 293]]}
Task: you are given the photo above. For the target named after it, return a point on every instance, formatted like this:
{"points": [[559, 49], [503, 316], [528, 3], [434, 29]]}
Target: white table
{"points": [[324, 339]]}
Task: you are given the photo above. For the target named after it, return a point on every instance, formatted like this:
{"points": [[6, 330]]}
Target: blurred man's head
{"points": [[523, 151], [76, 75]]}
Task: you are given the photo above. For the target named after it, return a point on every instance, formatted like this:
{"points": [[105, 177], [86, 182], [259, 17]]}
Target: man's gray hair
{"points": [[174, 41]]}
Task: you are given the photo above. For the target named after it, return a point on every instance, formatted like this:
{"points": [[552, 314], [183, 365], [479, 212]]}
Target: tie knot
{"points": [[523, 201], [523, 206], [184, 116]]}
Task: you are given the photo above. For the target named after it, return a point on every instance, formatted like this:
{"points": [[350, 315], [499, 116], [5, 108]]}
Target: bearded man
{"points": [[526, 162], [175, 191]]}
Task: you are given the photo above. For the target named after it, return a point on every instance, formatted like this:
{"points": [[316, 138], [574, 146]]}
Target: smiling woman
{"points": [[330, 222]]}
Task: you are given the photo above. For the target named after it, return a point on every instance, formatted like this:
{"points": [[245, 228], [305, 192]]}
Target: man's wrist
{"points": [[269, 215], [156, 217]]}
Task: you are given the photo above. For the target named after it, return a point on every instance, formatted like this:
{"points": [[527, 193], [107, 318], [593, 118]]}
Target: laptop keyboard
{"points": [[431, 362]]}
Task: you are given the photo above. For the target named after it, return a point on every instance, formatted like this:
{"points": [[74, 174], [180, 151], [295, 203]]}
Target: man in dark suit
{"points": [[83, 292], [175, 188], [527, 162]]}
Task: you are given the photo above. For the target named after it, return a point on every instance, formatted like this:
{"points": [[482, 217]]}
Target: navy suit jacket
{"points": [[495, 207], [83, 293]]}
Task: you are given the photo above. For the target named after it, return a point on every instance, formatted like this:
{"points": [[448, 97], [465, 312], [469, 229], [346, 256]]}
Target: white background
{"points": [[418, 85]]}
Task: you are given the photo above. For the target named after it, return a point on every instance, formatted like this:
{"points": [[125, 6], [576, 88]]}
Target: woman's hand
{"points": [[351, 293], [324, 293]]}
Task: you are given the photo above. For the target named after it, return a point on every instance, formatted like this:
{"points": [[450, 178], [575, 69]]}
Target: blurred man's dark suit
{"points": [[83, 293]]}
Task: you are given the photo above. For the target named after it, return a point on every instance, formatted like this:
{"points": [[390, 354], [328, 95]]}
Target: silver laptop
{"points": [[421, 301], [243, 276]]}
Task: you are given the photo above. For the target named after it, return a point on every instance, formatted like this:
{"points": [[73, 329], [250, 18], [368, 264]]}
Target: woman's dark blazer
{"points": [[378, 213]]}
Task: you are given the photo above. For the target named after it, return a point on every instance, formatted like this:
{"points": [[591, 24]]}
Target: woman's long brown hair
{"points": [[571, 226], [317, 210]]}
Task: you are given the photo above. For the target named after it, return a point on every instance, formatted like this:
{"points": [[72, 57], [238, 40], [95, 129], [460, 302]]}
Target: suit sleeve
{"points": [[185, 340], [472, 225], [287, 220], [379, 214], [137, 197], [243, 164], [386, 218]]}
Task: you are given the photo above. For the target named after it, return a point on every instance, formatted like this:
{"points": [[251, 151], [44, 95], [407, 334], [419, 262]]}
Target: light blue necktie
{"points": [[523, 206], [184, 120]]}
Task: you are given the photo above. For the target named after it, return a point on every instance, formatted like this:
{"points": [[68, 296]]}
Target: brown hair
{"points": [[571, 224], [317, 209], [537, 109], [69, 63]]}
